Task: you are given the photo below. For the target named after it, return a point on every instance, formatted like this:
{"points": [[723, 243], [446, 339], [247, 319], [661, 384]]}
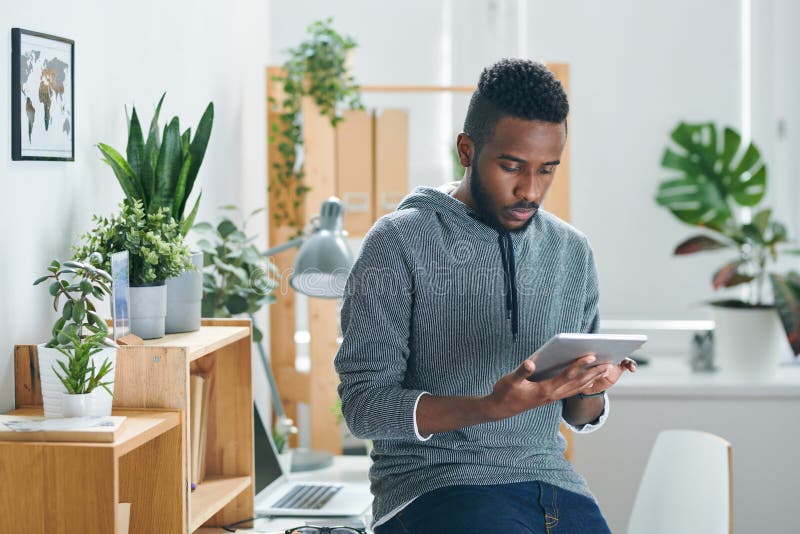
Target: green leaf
{"points": [[136, 154], [185, 140], [226, 228], [86, 287], [205, 246], [78, 311], [180, 189], [152, 136], [66, 313], [236, 304], [168, 166], [761, 220], [151, 151], [197, 149], [187, 223], [54, 288], [207, 306], [237, 236], [59, 324], [238, 272], [204, 228], [710, 177], [125, 175], [40, 280], [695, 203], [753, 233]]}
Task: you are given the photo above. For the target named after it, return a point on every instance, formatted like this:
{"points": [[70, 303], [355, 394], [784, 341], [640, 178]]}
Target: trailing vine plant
{"points": [[316, 68]]}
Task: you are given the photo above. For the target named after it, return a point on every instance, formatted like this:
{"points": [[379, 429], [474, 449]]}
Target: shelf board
{"points": [[140, 427], [212, 495], [203, 341]]}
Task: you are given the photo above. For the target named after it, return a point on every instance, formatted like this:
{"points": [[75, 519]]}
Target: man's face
{"points": [[514, 170]]}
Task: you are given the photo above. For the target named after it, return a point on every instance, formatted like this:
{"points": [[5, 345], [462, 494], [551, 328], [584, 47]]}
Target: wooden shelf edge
{"points": [[212, 495]]}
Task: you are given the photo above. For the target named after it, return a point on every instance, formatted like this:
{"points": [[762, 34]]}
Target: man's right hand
{"points": [[515, 393], [511, 395]]}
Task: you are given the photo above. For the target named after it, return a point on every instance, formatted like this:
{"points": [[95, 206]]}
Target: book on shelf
{"points": [[196, 385], [199, 387], [103, 429], [201, 468]]}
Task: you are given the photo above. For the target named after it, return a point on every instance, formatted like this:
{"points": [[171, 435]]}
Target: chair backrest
{"points": [[686, 486]]}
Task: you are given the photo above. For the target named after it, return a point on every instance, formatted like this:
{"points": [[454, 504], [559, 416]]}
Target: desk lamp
{"points": [[320, 270]]}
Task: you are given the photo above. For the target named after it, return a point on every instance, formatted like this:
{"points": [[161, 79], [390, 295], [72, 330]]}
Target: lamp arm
{"points": [[296, 242], [276, 398]]}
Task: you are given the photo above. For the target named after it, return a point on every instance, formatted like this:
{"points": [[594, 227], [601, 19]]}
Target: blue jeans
{"points": [[521, 508]]}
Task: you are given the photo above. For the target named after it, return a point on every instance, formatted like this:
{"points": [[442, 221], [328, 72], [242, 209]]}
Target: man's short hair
{"points": [[519, 88]]}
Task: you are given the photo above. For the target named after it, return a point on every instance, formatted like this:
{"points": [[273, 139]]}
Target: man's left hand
{"points": [[610, 376]]}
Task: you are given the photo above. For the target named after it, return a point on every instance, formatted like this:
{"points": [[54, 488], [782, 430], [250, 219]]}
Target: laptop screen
{"points": [[268, 470]]}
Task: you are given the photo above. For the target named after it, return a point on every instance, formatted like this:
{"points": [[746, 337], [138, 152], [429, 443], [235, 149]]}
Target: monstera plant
{"points": [[160, 172], [718, 185]]}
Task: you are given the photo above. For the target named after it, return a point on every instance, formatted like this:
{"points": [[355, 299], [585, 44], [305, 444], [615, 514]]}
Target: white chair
{"points": [[686, 487]]}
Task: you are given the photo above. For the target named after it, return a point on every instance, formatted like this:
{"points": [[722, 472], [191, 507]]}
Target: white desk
{"points": [[760, 420], [344, 469]]}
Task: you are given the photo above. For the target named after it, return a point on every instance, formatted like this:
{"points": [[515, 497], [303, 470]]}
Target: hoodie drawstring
{"points": [[509, 278]]}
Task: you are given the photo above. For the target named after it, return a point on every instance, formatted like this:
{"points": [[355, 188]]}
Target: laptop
{"points": [[283, 496]]}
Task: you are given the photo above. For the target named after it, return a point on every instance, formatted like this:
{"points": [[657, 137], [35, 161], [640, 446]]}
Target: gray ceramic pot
{"points": [[148, 311], [184, 298]]}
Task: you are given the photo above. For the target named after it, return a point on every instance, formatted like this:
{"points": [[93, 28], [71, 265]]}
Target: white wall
{"points": [[196, 51], [637, 68]]}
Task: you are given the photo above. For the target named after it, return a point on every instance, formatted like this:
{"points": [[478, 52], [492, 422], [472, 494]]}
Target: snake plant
{"points": [[160, 172], [718, 180]]}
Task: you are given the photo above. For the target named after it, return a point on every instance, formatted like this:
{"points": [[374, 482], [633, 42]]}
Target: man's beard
{"points": [[483, 205]]}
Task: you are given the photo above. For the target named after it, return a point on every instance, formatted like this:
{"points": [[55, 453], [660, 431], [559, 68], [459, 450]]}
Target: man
{"points": [[450, 296]]}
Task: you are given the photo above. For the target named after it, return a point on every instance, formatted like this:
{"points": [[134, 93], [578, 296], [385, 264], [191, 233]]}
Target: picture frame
{"points": [[120, 294], [42, 97]]}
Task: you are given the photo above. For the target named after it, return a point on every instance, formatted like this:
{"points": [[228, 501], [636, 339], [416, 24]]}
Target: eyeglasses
{"points": [[325, 530]]}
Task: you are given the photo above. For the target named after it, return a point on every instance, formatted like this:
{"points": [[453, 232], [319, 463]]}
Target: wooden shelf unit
{"points": [[65, 487], [157, 375]]}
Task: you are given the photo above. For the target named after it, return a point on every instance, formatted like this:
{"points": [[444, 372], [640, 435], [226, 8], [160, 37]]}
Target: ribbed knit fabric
{"points": [[425, 310]]}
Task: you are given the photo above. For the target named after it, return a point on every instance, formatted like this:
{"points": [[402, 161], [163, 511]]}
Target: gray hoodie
{"points": [[439, 302]]}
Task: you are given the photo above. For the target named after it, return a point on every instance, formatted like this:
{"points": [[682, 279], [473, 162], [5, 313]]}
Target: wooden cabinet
{"points": [[61, 488], [157, 375]]}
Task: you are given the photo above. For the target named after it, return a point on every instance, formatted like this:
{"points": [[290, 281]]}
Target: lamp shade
{"points": [[324, 260]]}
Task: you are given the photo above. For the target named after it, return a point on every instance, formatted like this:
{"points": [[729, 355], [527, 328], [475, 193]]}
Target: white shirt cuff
{"points": [[589, 427], [416, 428]]}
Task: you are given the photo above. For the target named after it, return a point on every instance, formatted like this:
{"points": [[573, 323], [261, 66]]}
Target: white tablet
{"points": [[562, 349]]}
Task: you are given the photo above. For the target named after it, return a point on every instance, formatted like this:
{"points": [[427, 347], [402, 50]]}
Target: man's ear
{"points": [[466, 149]]}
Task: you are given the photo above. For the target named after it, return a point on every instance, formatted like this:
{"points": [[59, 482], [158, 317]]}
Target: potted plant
{"points": [[237, 277], [719, 183], [80, 347], [316, 68], [161, 173], [81, 377], [157, 252]]}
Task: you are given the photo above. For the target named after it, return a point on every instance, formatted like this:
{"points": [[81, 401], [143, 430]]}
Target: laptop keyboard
{"points": [[308, 497]]}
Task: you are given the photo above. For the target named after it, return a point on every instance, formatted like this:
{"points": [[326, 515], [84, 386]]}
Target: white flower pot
{"points": [[53, 390], [77, 405], [285, 459], [184, 299], [748, 342], [148, 309]]}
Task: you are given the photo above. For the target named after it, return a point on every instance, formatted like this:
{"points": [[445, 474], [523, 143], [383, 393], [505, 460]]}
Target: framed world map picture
{"points": [[42, 97]]}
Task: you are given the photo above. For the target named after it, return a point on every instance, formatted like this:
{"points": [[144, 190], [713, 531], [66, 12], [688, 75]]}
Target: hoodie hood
{"points": [[440, 201]]}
